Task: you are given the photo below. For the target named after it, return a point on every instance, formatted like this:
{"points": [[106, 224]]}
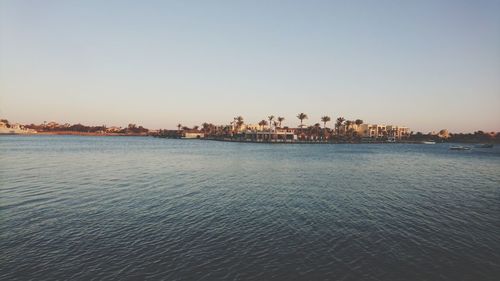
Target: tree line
{"points": [[55, 127], [343, 128]]}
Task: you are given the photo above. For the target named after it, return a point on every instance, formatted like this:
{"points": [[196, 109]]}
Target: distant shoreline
{"points": [[88, 134], [317, 142], [71, 133]]}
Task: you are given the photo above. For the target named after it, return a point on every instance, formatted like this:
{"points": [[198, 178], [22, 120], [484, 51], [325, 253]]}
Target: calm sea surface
{"points": [[134, 208]]}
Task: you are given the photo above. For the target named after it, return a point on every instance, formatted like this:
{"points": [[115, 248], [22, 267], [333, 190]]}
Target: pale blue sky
{"points": [[424, 64]]}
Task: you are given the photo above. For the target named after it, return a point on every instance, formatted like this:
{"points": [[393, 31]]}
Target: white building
{"points": [[6, 128], [377, 131], [193, 134]]}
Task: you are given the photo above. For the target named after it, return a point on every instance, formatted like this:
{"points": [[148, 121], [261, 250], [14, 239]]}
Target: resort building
{"points": [[249, 127], [7, 128], [113, 129], [278, 135], [193, 134], [378, 131], [444, 134], [397, 132]]}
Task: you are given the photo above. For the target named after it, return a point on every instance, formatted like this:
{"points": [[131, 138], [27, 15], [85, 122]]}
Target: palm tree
{"points": [[270, 118], [262, 123], [179, 126], [325, 119], [239, 121], [338, 124], [219, 130], [358, 123], [280, 119], [302, 116], [316, 129], [205, 127], [275, 124], [212, 129], [348, 124]]}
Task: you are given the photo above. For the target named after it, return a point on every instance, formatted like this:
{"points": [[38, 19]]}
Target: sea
{"points": [[143, 208]]}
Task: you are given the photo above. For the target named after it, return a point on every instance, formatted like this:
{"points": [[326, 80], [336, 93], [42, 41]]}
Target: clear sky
{"points": [[426, 64]]}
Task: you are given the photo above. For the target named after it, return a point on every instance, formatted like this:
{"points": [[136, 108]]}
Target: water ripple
{"points": [[85, 208]]}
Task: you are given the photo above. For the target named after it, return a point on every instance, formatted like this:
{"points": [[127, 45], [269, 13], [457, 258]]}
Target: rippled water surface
{"points": [[118, 208]]}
